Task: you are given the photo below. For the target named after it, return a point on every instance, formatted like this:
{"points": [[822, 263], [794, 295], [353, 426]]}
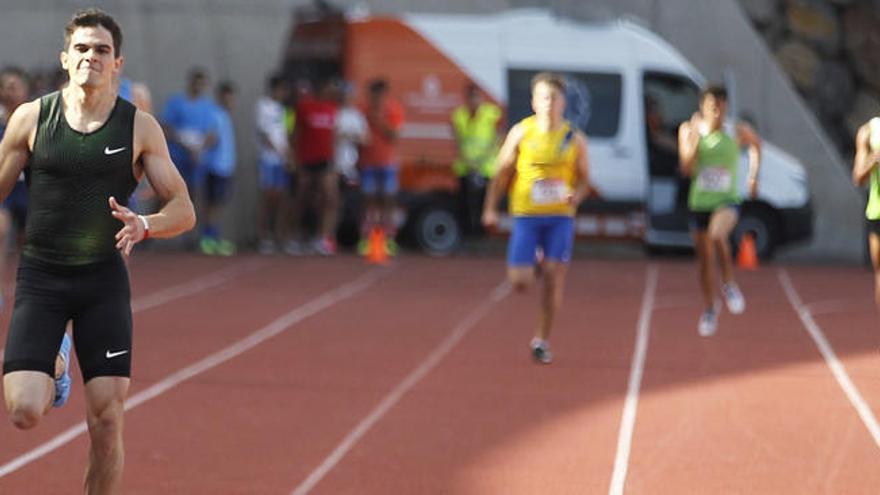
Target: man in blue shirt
{"points": [[190, 126], [215, 173]]}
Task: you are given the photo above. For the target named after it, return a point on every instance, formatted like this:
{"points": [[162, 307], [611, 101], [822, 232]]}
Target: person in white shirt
{"points": [[274, 154]]}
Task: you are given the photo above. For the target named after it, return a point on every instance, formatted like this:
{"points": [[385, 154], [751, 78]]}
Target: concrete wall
{"points": [[241, 41]]}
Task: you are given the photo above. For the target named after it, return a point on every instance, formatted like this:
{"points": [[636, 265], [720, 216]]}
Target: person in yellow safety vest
{"points": [[475, 127]]}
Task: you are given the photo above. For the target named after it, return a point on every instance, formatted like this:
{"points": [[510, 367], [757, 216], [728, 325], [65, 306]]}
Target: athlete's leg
{"points": [[551, 296], [721, 225], [705, 257], [874, 248], [105, 398], [556, 241], [35, 335], [521, 253]]}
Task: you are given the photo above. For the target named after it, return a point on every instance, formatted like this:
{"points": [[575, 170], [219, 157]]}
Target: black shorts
{"points": [[216, 188], [699, 220], [315, 168], [95, 297], [873, 226]]}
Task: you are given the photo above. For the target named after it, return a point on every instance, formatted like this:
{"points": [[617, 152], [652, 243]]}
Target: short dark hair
{"points": [[94, 18], [551, 78], [717, 91], [378, 86], [274, 81], [197, 72], [14, 70], [225, 86]]}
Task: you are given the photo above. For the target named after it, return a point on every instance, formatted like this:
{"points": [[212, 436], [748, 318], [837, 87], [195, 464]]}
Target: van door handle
{"points": [[621, 152]]}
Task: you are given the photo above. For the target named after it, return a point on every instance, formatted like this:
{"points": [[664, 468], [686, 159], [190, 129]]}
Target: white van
{"points": [[616, 71]]}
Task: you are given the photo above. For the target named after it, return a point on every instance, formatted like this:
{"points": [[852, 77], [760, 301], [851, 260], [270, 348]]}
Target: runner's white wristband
{"points": [[146, 227]]}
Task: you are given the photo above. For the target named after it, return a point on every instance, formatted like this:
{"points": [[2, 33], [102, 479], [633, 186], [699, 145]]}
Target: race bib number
{"points": [[549, 192], [714, 179]]}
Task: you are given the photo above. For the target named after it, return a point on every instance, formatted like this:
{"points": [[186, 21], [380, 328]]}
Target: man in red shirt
{"points": [[316, 178], [378, 160]]}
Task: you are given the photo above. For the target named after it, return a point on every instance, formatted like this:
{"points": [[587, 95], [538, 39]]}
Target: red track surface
{"points": [[754, 409]]}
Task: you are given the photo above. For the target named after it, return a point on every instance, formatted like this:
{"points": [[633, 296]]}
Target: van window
{"points": [[674, 97], [669, 100], [592, 99]]}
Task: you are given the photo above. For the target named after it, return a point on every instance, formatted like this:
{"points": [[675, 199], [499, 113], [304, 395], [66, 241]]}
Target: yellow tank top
{"points": [[545, 171]]}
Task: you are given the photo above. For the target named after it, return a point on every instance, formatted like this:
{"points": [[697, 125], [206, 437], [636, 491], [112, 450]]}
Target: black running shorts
{"points": [[95, 297]]}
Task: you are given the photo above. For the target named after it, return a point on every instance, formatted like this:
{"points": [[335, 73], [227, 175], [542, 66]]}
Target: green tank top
{"points": [[70, 177], [872, 212], [714, 182]]}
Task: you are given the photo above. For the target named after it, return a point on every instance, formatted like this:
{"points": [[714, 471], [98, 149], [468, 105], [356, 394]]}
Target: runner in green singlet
{"points": [[710, 156], [865, 167]]}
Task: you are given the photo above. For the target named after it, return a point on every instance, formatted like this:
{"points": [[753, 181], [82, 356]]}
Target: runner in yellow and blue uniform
{"points": [[865, 168], [710, 156], [547, 159]]}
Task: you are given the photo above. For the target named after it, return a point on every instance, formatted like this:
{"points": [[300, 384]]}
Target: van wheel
{"points": [[763, 226], [437, 231]]}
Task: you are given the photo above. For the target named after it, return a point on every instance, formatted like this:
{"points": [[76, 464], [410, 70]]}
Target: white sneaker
{"points": [[266, 247], [733, 298], [294, 248], [541, 351], [708, 321]]}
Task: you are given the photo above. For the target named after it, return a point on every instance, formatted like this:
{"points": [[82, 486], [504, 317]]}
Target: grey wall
{"points": [[241, 40]]}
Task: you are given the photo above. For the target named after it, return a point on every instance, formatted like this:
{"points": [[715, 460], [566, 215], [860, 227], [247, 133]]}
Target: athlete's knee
{"points": [[520, 281], [24, 415], [520, 285], [105, 426]]}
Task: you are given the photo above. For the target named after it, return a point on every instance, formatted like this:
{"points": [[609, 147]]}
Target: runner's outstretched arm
{"points": [[15, 146], [177, 214], [865, 160], [506, 168], [746, 136], [582, 188], [688, 143]]}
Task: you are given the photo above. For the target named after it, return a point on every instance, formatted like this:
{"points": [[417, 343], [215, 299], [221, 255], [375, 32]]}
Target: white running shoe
{"points": [[266, 247], [733, 298], [541, 351], [708, 321], [294, 248]]}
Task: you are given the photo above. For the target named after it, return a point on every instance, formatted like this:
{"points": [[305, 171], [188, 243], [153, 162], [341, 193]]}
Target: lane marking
{"points": [[274, 328], [832, 306], [209, 281], [631, 404], [458, 332], [834, 364]]}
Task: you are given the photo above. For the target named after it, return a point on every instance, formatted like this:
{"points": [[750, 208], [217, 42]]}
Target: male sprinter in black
{"points": [[83, 149]]}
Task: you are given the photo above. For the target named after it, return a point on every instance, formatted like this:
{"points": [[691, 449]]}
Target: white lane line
{"points": [[390, 400], [274, 328], [192, 287], [837, 369], [209, 281], [832, 306], [631, 404]]}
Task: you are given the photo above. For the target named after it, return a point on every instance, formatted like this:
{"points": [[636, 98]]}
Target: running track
{"points": [[329, 376]]}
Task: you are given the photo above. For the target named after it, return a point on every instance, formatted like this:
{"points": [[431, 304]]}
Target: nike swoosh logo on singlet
{"points": [[108, 151], [111, 355]]}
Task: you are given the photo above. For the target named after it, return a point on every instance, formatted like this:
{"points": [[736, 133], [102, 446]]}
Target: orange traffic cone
{"points": [[376, 250], [747, 257]]}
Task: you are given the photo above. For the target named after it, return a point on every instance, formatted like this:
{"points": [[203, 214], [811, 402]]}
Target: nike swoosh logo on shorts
{"points": [[111, 355], [108, 151]]}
